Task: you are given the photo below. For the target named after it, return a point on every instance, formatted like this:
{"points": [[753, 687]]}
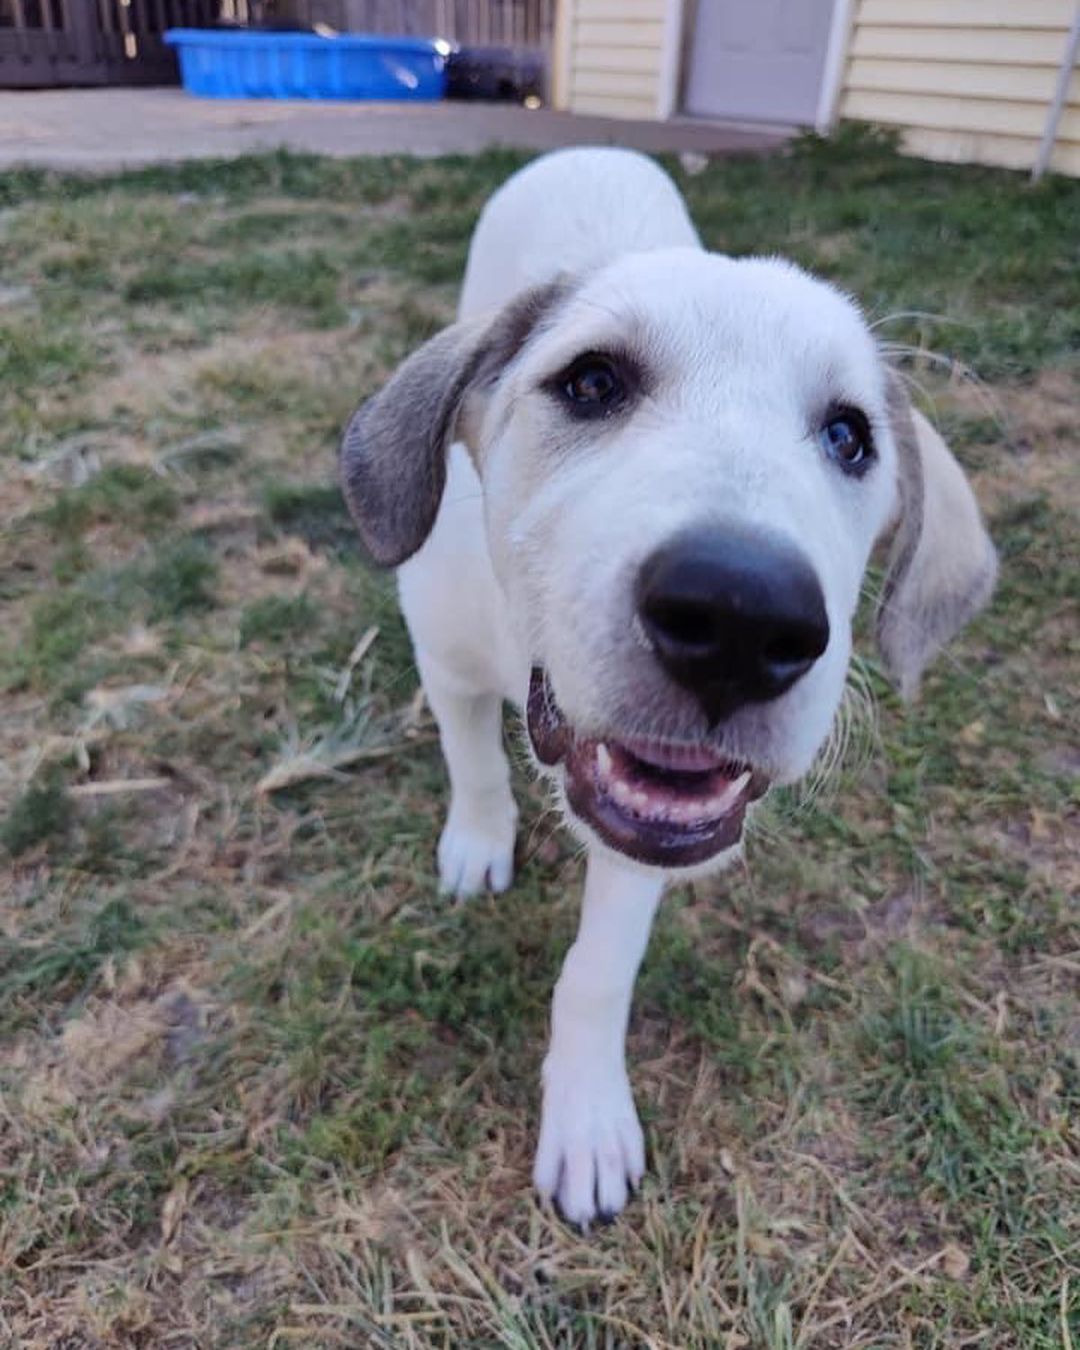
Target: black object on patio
{"points": [[513, 74]]}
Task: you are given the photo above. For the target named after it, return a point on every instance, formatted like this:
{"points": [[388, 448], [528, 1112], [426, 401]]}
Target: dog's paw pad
{"points": [[591, 1155], [474, 858]]}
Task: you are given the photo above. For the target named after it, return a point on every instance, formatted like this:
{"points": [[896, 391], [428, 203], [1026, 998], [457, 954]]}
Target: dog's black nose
{"points": [[734, 617]]}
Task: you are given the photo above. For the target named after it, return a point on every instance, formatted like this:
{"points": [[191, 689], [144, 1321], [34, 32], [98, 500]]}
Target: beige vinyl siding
{"points": [[1037, 47], [965, 80], [614, 56]]}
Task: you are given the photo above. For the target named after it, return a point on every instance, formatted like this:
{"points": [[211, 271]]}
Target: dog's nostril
{"points": [[783, 653], [686, 624], [793, 647]]}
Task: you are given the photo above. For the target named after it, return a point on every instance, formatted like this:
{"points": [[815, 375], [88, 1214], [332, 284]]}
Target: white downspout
{"points": [[832, 77], [1057, 106], [667, 97]]}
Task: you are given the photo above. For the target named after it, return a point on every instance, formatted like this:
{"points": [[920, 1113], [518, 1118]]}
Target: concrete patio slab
{"points": [[106, 129]]}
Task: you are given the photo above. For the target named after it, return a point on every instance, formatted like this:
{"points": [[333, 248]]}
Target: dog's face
{"points": [[686, 462]]}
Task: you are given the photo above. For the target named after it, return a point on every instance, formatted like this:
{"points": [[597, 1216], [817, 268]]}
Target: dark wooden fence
{"points": [[485, 23], [85, 42]]}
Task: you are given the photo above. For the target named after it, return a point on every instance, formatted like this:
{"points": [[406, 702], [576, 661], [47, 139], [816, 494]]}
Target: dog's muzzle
{"points": [[657, 802], [732, 617]]}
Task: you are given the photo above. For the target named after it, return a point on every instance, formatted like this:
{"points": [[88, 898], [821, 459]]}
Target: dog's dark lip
{"points": [[658, 802], [548, 730]]}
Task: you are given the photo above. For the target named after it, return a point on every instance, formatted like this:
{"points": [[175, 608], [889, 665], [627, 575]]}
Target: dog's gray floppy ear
{"points": [[942, 567], [393, 454]]}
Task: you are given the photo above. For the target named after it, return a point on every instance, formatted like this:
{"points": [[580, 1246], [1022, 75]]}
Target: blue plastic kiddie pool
{"points": [[226, 63]]}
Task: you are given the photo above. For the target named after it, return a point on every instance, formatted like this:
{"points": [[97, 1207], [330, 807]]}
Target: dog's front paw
{"points": [[476, 850], [591, 1154]]}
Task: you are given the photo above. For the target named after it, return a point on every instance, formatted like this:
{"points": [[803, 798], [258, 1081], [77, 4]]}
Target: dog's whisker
{"points": [[848, 747], [899, 315], [915, 385], [956, 368]]}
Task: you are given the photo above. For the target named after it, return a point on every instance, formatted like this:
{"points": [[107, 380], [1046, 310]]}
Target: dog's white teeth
{"points": [[730, 795], [659, 805]]}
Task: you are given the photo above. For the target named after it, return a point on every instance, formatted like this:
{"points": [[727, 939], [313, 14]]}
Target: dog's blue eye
{"points": [[592, 383], [847, 440]]}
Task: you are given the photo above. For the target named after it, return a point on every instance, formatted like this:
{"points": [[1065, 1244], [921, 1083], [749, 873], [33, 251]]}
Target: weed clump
{"points": [[43, 813]]}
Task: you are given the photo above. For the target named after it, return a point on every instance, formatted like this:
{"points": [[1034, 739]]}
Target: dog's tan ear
{"points": [[942, 567], [393, 454]]}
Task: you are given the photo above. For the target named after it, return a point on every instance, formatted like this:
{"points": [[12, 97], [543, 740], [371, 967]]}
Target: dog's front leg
{"points": [[476, 848], [591, 1151]]}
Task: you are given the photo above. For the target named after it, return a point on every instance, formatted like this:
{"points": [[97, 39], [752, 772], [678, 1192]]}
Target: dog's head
{"points": [[686, 462]]}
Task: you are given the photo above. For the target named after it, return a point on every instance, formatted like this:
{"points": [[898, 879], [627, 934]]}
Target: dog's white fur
{"points": [[543, 525]]}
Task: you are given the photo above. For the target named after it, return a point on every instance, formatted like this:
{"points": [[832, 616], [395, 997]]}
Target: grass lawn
{"points": [[259, 1085]]}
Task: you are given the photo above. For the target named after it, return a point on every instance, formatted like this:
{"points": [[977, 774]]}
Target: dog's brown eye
{"points": [[592, 384], [847, 440]]}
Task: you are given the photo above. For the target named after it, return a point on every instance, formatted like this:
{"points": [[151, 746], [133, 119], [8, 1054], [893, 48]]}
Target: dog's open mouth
{"points": [[666, 804]]}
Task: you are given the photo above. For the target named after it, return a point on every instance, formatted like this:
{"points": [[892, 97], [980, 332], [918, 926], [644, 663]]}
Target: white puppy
{"points": [[634, 491]]}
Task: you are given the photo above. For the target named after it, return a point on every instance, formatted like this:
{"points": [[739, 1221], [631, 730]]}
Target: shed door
{"points": [[758, 60]]}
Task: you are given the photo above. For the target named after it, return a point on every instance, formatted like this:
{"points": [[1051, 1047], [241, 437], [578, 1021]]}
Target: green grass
{"points": [[260, 1084], [123, 494], [41, 813], [68, 965], [314, 511], [276, 619], [180, 579], [307, 283]]}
